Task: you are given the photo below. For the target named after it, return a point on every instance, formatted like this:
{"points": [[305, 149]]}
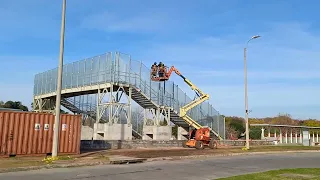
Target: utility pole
{"points": [[246, 92], [59, 84]]}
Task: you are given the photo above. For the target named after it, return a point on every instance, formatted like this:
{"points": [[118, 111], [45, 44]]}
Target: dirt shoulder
{"points": [[178, 152], [33, 163]]}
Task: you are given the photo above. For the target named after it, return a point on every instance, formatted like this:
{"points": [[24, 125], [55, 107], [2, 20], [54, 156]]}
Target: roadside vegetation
{"points": [[281, 174]]}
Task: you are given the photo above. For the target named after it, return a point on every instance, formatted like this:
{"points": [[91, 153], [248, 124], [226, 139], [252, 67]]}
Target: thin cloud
{"points": [[106, 21], [260, 74]]}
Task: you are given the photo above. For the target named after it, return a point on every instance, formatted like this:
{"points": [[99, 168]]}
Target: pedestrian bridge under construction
{"points": [[104, 88]]}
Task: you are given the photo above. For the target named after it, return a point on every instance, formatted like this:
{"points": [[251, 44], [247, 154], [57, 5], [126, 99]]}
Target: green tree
{"points": [[255, 133], [284, 119], [235, 126], [14, 105], [311, 123], [175, 131]]}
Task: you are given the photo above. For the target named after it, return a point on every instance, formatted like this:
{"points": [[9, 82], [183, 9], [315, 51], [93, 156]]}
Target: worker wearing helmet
{"points": [[154, 69], [161, 69]]}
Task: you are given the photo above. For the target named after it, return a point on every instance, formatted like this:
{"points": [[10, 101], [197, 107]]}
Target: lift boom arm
{"points": [[201, 98]]}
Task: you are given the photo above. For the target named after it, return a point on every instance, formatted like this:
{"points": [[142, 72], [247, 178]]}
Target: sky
{"points": [[204, 39]]}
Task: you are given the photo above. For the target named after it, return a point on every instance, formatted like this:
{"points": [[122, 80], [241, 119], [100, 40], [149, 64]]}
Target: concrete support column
{"points": [[95, 131], [309, 135], [275, 133], [116, 131], [157, 132], [300, 136], [286, 137], [296, 134], [280, 136], [317, 136], [312, 136], [168, 119], [158, 117], [262, 133], [269, 133], [291, 136]]}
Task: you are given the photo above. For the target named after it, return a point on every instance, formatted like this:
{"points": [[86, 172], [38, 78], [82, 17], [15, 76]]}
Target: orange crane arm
{"points": [[201, 98], [168, 74], [193, 87]]}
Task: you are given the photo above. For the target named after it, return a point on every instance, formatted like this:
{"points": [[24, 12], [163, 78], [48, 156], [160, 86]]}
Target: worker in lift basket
{"points": [[154, 69], [161, 69]]}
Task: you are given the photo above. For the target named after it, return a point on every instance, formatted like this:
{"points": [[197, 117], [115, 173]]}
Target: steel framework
{"points": [[118, 73]]}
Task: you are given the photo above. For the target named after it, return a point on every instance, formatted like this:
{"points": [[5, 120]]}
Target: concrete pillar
{"points": [[296, 134], [317, 136], [275, 134], [262, 133], [95, 131], [291, 136], [280, 136], [300, 136], [286, 137], [313, 136], [158, 117], [117, 131], [157, 132], [269, 133], [309, 135]]}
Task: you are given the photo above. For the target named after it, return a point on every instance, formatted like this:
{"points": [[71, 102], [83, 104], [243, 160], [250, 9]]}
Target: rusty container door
{"points": [[29, 133]]}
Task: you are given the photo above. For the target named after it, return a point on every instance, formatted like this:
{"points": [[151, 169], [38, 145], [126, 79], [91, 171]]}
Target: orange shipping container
{"points": [[29, 133]]}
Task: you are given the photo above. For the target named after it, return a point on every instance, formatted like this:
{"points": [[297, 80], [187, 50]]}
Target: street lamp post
{"points": [[55, 143], [246, 91]]}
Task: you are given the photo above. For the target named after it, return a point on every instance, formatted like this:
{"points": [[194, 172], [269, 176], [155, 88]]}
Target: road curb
{"points": [[226, 154]]}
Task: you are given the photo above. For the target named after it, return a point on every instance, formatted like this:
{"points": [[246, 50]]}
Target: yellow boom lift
{"points": [[200, 136]]}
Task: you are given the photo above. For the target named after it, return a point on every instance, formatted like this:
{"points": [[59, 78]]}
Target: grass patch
{"points": [[282, 174], [282, 148], [66, 158], [20, 162]]}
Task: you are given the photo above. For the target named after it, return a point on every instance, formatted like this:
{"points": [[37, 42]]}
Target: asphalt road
{"points": [[200, 169]]}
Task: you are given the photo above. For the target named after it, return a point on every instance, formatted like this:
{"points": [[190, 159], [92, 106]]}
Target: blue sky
{"points": [[204, 40]]}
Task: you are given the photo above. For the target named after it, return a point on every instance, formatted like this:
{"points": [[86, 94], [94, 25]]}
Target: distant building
{"points": [[9, 109]]}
